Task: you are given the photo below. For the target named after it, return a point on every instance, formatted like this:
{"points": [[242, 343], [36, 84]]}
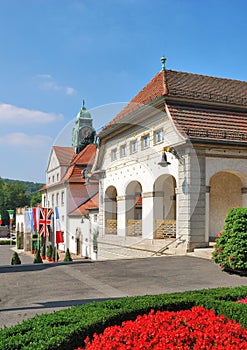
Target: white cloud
{"points": [[21, 139], [10, 114], [47, 82]]}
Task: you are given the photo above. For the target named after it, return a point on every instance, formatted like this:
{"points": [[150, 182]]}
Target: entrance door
{"points": [[78, 246]]}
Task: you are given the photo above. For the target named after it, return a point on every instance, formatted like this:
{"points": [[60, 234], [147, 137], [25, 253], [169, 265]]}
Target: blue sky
{"points": [[57, 52]]}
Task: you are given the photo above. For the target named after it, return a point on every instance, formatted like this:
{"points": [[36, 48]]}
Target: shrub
{"points": [[66, 329], [54, 258], [231, 245], [15, 259], [37, 259], [67, 255], [49, 252], [43, 251]]}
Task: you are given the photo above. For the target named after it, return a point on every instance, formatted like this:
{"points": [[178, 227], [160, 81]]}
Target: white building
{"points": [[67, 187], [173, 161]]}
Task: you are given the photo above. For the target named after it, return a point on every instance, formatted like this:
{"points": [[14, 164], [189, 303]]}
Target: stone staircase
{"points": [[114, 247]]}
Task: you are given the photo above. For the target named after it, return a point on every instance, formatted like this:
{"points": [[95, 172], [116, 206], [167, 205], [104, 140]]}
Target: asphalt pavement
{"points": [[30, 289]]}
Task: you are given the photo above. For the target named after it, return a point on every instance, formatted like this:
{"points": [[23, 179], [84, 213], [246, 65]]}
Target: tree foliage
{"points": [[17, 194]]}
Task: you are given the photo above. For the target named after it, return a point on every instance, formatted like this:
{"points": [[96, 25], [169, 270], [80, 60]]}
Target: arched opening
{"points": [[134, 209], [111, 210], [225, 193], [165, 207]]}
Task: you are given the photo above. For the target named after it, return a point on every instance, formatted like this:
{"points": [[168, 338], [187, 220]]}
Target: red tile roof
{"points": [[89, 203], [64, 154], [78, 162], [209, 123], [84, 159], [197, 90]]}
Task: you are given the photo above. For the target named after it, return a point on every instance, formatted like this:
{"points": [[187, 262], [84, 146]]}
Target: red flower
{"points": [[198, 329]]}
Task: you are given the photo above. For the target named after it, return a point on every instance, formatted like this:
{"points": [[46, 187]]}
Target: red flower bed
{"points": [[198, 329]]}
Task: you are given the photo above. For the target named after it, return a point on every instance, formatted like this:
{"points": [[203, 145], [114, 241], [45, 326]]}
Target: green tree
{"points": [[67, 255], [35, 199], [15, 259], [12, 195], [37, 259]]}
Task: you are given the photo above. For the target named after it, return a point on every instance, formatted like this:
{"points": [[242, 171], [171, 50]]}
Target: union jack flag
{"points": [[45, 221]]}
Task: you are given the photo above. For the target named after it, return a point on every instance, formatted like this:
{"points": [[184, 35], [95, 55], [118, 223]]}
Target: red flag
{"points": [[59, 234], [36, 218], [45, 221]]}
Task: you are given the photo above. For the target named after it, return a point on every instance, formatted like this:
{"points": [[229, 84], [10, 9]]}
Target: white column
{"points": [[147, 215], [244, 196], [121, 216], [207, 213]]}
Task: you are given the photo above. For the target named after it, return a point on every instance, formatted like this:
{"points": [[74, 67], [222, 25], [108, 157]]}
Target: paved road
{"points": [[27, 290]]}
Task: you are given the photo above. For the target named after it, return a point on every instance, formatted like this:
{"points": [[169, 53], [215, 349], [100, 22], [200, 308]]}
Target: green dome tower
{"points": [[83, 132]]}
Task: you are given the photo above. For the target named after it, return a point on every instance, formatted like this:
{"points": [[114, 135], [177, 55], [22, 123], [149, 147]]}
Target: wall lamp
{"points": [[86, 174], [164, 162]]}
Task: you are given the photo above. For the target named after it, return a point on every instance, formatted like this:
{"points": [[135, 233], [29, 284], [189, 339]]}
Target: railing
{"points": [[166, 246], [165, 229], [111, 227], [134, 227]]}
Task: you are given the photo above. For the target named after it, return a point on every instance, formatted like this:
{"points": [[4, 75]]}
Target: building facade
{"points": [[173, 161], [68, 188]]}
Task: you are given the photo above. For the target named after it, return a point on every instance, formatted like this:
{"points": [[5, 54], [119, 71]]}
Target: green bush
{"points": [[49, 252], [231, 245], [37, 259], [67, 255], [5, 242], [15, 259], [66, 329], [43, 250]]}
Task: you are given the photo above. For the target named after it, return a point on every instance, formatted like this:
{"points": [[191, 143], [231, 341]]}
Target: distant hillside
{"points": [[31, 187]]}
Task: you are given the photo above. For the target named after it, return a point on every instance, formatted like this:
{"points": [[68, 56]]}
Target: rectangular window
{"points": [[146, 141], [159, 136], [52, 200], [53, 178], [114, 154], [133, 146], [57, 177], [123, 151], [62, 198], [57, 199]]}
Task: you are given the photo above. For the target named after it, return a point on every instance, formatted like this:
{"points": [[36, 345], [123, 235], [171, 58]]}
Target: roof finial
{"points": [[163, 61], [83, 104]]}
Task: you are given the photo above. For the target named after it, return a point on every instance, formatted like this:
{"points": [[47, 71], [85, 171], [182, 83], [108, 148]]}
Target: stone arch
{"points": [[110, 210], [164, 206], [133, 208], [225, 193]]}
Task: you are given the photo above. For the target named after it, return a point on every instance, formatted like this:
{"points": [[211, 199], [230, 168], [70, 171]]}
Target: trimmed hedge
{"points": [[66, 329], [7, 242]]}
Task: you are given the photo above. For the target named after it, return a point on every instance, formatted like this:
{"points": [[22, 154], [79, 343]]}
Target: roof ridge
{"points": [[205, 75]]}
